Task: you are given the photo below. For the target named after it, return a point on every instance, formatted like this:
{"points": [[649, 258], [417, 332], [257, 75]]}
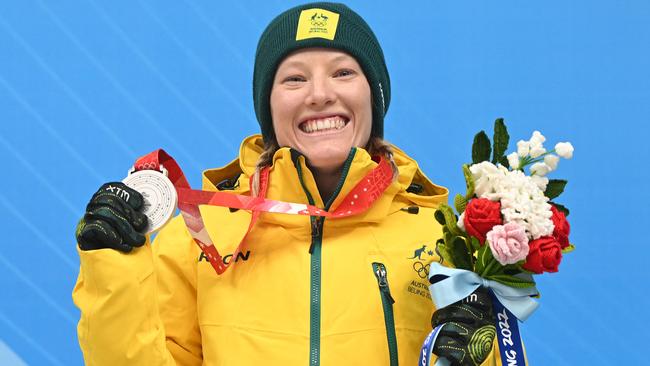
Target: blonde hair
{"points": [[375, 146]]}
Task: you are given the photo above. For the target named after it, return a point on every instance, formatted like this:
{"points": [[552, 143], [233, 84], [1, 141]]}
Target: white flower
{"points": [[486, 176], [540, 169], [536, 144], [551, 161], [523, 148], [537, 150], [537, 138], [521, 196], [513, 160], [564, 149], [482, 169], [540, 182]]}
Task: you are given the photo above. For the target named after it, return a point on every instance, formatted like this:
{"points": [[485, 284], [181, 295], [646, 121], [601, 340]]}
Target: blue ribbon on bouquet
{"points": [[450, 285]]}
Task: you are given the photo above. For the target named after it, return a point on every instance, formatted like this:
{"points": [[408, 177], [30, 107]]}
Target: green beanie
{"points": [[327, 25]]}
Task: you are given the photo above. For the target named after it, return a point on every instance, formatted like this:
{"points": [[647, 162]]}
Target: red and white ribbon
{"points": [[360, 198]]}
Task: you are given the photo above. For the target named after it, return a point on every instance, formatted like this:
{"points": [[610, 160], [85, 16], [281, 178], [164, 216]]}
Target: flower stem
{"points": [[488, 268], [530, 160]]}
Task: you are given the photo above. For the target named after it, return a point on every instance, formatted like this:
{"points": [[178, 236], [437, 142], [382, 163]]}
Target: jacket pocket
{"points": [[387, 302]]}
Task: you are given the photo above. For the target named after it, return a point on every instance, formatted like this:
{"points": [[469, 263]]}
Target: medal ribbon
{"points": [[510, 344], [427, 350], [360, 198]]}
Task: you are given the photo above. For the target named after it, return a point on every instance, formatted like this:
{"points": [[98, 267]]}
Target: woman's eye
{"points": [[344, 72], [293, 79]]}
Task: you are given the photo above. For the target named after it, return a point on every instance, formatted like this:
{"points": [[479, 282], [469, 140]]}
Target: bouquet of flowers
{"points": [[508, 227]]}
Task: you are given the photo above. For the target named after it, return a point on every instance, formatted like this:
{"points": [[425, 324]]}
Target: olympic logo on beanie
{"points": [[317, 22]]}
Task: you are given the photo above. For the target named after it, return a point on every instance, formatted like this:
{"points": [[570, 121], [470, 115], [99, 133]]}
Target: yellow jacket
{"points": [[163, 304]]}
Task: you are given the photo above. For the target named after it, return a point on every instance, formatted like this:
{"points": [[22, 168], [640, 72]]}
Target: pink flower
{"points": [[509, 243]]}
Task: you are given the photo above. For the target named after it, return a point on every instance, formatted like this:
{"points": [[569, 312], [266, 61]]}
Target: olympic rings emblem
{"points": [[421, 269], [147, 165]]}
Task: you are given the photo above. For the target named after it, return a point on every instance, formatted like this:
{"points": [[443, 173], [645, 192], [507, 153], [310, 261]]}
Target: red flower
{"points": [[481, 215], [544, 255], [562, 228]]}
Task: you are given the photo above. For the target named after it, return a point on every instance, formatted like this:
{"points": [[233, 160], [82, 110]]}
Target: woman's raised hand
{"points": [[113, 219]]}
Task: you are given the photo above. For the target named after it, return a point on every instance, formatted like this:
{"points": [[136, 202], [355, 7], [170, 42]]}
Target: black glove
{"points": [[468, 332], [112, 219]]}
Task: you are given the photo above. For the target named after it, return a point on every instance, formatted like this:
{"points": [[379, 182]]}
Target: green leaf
{"points": [[561, 208], [488, 264], [476, 245], [460, 202], [569, 249], [450, 220], [481, 148], [444, 247], [512, 281], [469, 182], [440, 217], [513, 269], [504, 161], [524, 270], [555, 188], [500, 140], [447, 236], [443, 251], [460, 254], [483, 257]]}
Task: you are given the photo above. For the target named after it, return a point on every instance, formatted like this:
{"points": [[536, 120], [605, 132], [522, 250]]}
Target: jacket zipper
{"points": [[315, 286], [317, 223], [387, 302]]}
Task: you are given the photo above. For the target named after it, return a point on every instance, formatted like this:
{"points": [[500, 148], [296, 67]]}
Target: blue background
{"points": [[86, 86]]}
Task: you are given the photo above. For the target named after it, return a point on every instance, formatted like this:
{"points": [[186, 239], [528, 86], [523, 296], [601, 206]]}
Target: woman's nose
{"points": [[321, 93]]}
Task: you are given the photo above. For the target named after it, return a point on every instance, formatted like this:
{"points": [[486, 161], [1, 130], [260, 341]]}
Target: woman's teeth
{"points": [[324, 124]]}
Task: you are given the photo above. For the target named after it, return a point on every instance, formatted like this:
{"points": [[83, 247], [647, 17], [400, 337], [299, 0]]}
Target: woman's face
{"points": [[321, 106]]}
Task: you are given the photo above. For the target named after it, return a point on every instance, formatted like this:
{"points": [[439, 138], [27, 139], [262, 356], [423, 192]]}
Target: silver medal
{"points": [[159, 195]]}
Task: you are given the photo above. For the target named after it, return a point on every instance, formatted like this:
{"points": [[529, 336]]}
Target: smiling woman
{"points": [[321, 106], [304, 289]]}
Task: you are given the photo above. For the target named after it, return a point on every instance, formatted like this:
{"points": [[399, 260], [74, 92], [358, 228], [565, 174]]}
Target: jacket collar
{"points": [[285, 183]]}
